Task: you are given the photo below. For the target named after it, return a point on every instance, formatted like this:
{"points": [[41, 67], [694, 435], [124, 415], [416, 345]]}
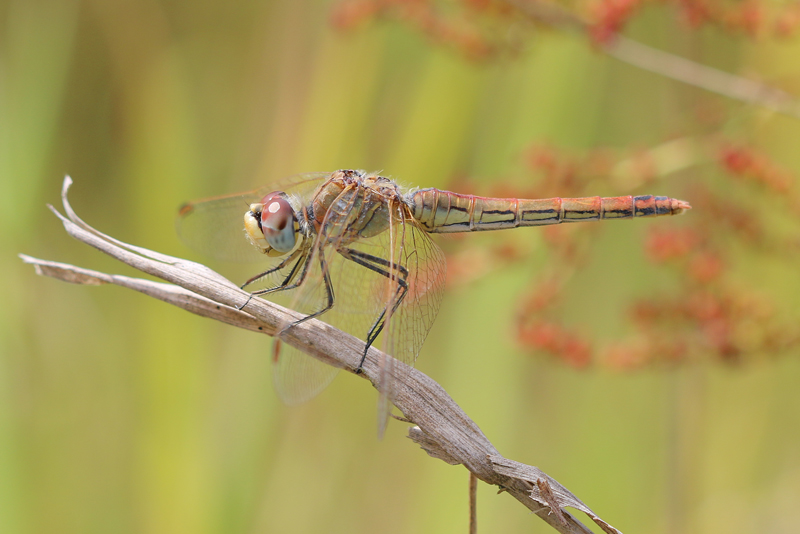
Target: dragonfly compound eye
{"points": [[278, 224]]}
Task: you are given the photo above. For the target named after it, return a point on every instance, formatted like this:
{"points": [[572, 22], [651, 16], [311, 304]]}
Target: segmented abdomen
{"points": [[443, 211]]}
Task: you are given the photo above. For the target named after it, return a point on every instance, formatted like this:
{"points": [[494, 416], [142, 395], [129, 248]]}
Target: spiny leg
{"points": [[326, 277], [369, 261], [278, 267], [327, 221], [304, 259], [347, 252], [377, 327], [402, 288]]}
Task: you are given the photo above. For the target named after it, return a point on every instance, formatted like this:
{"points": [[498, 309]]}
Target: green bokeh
{"points": [[121, 414]]}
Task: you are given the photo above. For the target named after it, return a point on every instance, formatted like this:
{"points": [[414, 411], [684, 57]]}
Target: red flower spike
{"points": [[556, 340], [705, 267], [665, 244], [350, 14]]}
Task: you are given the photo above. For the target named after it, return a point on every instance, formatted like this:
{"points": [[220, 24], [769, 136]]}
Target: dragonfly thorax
{"points": [[271, 225]]}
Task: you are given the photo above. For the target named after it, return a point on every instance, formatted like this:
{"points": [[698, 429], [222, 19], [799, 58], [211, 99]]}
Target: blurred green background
{"points": [[121, 414]]}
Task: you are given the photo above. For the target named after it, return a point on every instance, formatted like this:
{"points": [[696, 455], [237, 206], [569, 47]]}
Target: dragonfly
{"points": [[355, 249]]}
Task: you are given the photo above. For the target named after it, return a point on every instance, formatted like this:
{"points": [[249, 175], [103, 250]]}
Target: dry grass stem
{"points": [[442, 428]]}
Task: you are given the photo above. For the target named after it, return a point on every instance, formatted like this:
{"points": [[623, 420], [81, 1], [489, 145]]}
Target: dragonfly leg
{"points": [[328, 293], [350, 254], [278, 267], [375, 264], [303, 260]]}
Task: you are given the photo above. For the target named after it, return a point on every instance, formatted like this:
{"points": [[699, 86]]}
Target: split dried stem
{"points": [[442, 428]]}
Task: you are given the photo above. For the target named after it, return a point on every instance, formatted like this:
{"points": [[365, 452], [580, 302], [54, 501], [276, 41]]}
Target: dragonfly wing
{"points": [[407, 245], [330, 276], [214, 227], [401, 274], [404, 278], [411, 314], [298, 377], [408, 326]]}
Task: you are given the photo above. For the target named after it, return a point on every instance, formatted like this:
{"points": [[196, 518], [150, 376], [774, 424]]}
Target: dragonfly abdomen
{"points": [[444, 212]]}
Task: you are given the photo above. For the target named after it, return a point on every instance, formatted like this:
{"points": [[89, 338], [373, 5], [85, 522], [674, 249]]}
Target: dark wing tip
{"points": [[185, 209]]}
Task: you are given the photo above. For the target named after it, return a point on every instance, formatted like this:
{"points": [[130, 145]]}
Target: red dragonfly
{"points": [[355, 248]]}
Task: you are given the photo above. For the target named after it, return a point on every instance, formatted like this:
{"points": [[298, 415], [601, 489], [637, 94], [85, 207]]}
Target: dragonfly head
{"points": [[271, 225]]}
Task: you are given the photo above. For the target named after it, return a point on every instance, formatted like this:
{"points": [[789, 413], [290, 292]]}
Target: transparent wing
{"points": [[392, 281], [411, 307], [408, 326], [412, 292], [214, 227], [297, 376], [399, 272]]}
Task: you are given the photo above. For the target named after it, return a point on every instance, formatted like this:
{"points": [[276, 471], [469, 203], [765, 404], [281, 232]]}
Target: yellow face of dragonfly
{"points": [[271, 225]]}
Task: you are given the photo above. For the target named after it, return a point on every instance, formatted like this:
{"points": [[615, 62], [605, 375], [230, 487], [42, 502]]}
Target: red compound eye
{"points": [[278, 222]]}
